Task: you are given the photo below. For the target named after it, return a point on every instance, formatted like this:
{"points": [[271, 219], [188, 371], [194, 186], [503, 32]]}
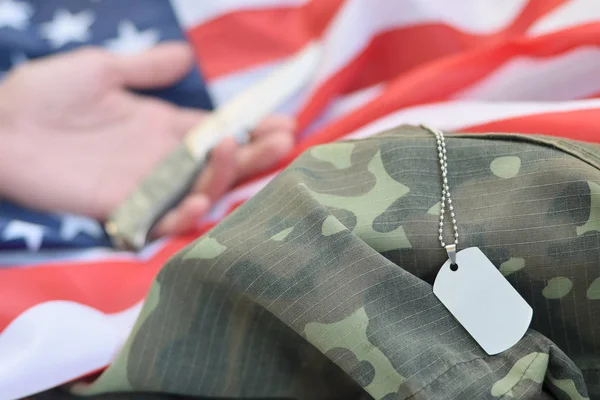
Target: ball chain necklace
{"points": [[443, 159], [471, 287]]}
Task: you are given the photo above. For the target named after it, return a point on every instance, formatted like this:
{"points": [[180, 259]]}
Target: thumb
{"points": [[158, 67]]}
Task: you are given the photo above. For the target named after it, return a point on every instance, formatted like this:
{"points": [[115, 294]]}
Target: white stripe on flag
{"points": [[193, 12], [359, 21], [568, 76], [572, 13], [78, 256], [56, 342], [226, 87], [461, 114], [344, 105]]}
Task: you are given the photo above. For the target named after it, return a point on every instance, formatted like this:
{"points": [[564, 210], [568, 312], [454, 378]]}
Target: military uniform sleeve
{"points": [[320, 286]]}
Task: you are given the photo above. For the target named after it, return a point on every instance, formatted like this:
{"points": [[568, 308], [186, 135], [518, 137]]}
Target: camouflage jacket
{"points": [[320, 286]]}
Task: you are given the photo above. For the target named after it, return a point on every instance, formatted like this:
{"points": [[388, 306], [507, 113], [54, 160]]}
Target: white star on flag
{"points": [[72, 225], [66, 27], [15, 14], [32, 234], [131, 40]]}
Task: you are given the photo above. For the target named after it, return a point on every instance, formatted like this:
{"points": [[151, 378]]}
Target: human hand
{"points": [[75, 139]]}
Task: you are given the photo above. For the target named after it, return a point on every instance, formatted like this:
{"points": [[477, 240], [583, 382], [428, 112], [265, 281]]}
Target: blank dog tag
{"points": [[483, 301]]}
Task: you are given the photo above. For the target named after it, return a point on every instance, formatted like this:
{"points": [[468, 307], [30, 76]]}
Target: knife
{"points": [[130, 224]]}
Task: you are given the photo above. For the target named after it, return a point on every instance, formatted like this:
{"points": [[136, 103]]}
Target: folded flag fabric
{"points": [[526, 66]]}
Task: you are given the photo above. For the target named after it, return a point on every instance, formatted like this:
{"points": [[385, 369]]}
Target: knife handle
{"points": [[130, 224]]}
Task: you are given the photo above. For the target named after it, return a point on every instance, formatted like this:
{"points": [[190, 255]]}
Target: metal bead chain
{"points": [[441, 148]]}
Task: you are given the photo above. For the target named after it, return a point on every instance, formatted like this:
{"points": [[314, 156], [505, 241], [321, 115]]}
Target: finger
{"points": [[264, 153], [188, 119], [221, 171], [183, 219], [274, 123], [158, 67]]}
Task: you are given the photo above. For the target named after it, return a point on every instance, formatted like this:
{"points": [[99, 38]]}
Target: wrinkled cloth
{"points": [[320, 286]]}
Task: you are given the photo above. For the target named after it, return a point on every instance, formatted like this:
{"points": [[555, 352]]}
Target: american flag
{"points": [[68, 300]]}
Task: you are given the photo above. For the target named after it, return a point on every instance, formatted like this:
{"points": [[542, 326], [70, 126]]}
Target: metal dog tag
{"points": [[483, 301]]}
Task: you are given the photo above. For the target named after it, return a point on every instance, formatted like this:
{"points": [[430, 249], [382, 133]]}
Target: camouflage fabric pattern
{"points": [[320, 286]]}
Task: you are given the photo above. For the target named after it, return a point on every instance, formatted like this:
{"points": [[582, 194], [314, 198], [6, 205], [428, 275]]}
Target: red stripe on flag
{"points": [[108, 286], [244, 39], [531, 14], [577, 125]]}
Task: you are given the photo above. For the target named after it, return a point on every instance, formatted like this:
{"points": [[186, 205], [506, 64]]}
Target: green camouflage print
{"points": [[320, 286]]}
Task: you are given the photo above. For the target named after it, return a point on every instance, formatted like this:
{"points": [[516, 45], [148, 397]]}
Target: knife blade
{"points": [[130, 224]]}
